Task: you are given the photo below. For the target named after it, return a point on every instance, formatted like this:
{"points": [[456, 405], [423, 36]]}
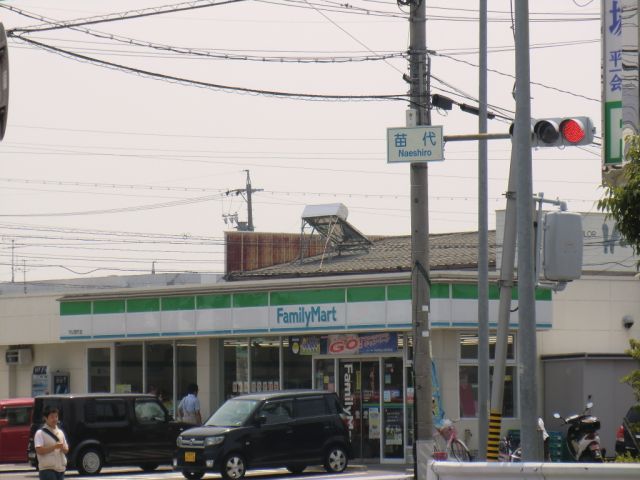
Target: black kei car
{"points": [[291, 429], [111, 429]]}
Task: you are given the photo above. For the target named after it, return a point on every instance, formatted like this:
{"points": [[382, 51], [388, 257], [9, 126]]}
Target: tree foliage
{"points": [[621, 201], [633, 379]]}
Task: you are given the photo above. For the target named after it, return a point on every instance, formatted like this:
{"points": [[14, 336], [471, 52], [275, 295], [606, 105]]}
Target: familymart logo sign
{"points": [[308, 316]]}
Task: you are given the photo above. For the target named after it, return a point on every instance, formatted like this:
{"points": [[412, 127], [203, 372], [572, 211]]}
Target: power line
{"points": [[153, 206], [201, 84], [115, 17], [266, 191], [511, 48], [567, 92], [175, 52], [213, 137]]}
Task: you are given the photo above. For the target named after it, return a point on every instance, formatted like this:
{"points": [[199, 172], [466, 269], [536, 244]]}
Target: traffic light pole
{"points": [[526, 280], [419, 95], [483, 245]]}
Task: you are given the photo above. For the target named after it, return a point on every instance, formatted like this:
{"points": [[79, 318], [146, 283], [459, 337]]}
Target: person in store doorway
{"points": [[468, 403], [189, 406], [51, 447]]}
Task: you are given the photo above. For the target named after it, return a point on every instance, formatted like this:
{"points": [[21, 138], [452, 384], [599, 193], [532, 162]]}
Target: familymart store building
{"points": [[349, 334]]}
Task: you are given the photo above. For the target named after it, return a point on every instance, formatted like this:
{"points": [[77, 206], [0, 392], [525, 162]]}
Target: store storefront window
{"points": [[265, 364], [128, 368], [325, 375], [236, 367], [468, 376], [159, 371], [186, 371], [469, 347], [393, 407], [297, 363], [99, 367]]}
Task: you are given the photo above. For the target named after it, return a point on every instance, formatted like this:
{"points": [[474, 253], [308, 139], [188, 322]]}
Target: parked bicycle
{"points": [[446, 440], [511, 451]]}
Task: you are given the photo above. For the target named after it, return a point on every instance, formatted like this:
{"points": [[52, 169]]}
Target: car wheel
{"points": [[233, 467], [192, 475], [90, 461], [149, 467], [335, 460], [296, 469]]}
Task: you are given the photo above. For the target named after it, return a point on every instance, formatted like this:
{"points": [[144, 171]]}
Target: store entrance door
{"points": [[359, 391], [371, 392]]}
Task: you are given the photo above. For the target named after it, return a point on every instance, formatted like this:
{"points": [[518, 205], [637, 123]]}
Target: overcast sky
{"points": [[83, 140]]}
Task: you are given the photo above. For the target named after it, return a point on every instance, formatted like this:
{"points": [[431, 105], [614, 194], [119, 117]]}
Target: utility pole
{"points": [[242, 226], [483, 246], [418, 115], [504, 312], [526, 280], [249, 204], [13, 260]]}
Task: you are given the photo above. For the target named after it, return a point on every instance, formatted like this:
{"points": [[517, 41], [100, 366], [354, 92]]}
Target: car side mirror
{"points": [[261, 419], [556, 415]]}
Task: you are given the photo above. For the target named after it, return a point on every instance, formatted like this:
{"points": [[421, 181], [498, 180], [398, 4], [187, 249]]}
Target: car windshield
{"points": [[232, 413]]}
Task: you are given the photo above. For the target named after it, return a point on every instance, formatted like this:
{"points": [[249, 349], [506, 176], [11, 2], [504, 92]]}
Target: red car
{"points": [[15, 423]]}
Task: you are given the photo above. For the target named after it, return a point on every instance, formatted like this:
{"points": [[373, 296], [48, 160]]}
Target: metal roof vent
{"points": [[330, 221]]}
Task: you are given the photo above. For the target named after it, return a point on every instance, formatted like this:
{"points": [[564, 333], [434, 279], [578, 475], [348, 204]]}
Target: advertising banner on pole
{"points": [[620, 77]]}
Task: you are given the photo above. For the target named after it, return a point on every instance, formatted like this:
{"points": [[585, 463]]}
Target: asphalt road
{"points": [[355, 472]]}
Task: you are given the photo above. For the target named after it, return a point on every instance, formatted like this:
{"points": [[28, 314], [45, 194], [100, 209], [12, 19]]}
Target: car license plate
{"points": [[189, 456]]}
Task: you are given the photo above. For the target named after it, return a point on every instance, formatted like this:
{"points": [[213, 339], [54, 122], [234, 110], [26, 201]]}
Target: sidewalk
{"points": [[394, 467], [389, 467], [15, 467]]}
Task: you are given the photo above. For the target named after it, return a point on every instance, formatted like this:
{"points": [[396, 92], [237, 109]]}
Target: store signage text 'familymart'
{"points": [[303, 315]]}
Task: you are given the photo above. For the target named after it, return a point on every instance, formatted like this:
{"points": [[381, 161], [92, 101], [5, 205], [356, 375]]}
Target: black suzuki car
{"points": [[291, 429], [111, 429]]}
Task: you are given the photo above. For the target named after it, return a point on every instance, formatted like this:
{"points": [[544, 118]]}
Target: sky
{"points": [[108, 172]]}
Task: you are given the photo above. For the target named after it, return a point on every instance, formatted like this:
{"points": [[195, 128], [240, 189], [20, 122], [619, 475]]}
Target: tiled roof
{"points": [[448, 251]]}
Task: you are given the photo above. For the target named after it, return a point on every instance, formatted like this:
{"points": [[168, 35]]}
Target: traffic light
{"points": [[561, 132]]}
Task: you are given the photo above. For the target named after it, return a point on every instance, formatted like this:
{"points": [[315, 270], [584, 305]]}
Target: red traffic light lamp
{"points": [[561, 132]]}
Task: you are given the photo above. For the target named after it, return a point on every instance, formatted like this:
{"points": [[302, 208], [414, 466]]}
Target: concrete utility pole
{"points": [[504, 312], [13, 260], [248, 226], [483, 246], [419, 94], [249, 204], [526, 280]]}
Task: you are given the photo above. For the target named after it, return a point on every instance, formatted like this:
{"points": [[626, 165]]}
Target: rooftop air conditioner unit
{"points": [[18, 356]]}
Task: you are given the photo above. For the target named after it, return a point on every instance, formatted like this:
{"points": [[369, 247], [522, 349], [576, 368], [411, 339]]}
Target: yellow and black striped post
{"points": [[493, 441]]}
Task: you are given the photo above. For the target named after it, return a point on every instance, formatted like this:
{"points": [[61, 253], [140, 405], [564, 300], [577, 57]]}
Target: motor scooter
{"points": [[583, 441]]}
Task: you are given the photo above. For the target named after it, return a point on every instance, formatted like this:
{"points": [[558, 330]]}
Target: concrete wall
{"points": [[15, 380], [29, 319], [587, 317], [446, 353], [537, 471], [569, 382]]}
